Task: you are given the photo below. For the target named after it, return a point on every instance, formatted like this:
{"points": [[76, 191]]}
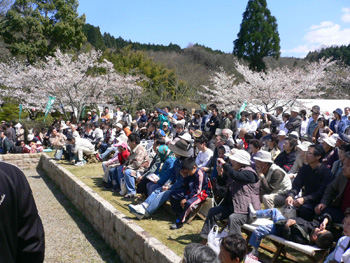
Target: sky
{"points": [[303, 25]]}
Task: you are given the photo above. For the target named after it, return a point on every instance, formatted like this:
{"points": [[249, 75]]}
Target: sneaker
{"points": [[137, 210], [79, 163], [176, 226], [98, 157], [130, 195], [251, 214]]}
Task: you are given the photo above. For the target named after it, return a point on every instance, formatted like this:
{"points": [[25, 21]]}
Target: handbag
{"points": [[214, 238], [288, 212]]}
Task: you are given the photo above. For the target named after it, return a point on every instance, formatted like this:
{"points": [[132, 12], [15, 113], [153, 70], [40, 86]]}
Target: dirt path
{"points": [[68, 236]]}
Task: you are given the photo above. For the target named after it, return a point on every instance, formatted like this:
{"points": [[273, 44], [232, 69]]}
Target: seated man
{"points": [[81, 146], [204, 153], [195, 191], [336, 198], [297, 230], [274, 182], [138, 161], [162, 194], [243, 188], [341, 253], [314, 178]]}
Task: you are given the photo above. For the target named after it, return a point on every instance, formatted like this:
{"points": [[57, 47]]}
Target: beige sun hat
{"points": [[242, 157], [263, 156]]}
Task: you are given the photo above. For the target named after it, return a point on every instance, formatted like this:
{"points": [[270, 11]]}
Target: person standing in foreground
{"points": [[21, 230]]}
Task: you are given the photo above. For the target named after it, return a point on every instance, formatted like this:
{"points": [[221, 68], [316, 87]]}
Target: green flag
{"points": [[20, 112], [238, 117], [50, 101], [203, 107]]}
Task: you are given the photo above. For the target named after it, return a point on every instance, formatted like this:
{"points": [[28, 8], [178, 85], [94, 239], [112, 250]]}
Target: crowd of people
{"points": [[298, 160]]}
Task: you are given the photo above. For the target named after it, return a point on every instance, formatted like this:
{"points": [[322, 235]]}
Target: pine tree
{"points": [[258, 36], [36, 28]]}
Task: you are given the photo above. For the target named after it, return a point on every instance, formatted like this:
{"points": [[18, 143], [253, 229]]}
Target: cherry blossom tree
{"points": [[75, 81], [267, 90]]}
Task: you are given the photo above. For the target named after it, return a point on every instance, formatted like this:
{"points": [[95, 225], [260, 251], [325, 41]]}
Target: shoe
{"points": [[130, 195], [137, 210], [98, 157], [176, 226], [251, 213], [81, 163]]}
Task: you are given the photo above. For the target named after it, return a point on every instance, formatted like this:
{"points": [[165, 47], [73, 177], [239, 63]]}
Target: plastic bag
{"points": [[123, 190], [214, 238]]}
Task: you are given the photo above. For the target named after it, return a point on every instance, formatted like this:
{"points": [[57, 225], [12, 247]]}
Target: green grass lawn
{"points": [[157, 225]]}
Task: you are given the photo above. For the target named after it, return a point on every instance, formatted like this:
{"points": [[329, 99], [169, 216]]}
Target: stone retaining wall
{"points": [[132, 243], [22, 160]]}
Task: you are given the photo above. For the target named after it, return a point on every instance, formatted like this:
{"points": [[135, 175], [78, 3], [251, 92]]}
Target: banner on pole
{"points": [[20, 112], [49, 104], [238, 117]]}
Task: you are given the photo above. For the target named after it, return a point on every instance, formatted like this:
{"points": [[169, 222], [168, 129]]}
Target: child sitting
{"points": [[341, 253], [297, 230], [194, 191]]}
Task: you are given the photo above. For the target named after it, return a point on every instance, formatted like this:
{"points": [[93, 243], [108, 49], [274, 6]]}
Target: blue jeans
{"points": [[151, 187], [58, 154], [156, 199], [129, 180], [263, 231], [110, 149]]}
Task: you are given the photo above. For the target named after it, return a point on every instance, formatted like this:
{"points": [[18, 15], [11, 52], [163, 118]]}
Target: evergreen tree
{"points": [[258, 36], [94, 36], [36, 28]]}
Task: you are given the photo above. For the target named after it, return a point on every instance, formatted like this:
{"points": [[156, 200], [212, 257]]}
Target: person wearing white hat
{"points": [[331, 156], [274, 181], [243, 189], [294, 122], [300, 159]]}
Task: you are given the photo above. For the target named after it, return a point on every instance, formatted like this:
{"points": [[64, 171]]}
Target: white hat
{"points": [[263, 156], [322, 137], [330, 141], [165, 123], [88, 113], [119, 125], [304, 146], [267, 130], [38, 143], [335, 136], [295, 109], [64, 126], [18, 125], [231, 152], [242, 157], [282, 133], [186, 136], [30, 137], [295, 134]]}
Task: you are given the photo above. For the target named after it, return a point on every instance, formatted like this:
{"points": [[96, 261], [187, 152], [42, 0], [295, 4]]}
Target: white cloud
{"points": [[346, 16], [322, 25], [327, 33]]}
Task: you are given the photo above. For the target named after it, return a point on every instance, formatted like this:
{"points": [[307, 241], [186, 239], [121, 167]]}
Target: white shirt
{"points": [[203, 158]]}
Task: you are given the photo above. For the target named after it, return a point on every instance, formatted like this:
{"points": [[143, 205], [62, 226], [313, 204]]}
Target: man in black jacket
{"points": [[297, 229], [21, 230]]}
